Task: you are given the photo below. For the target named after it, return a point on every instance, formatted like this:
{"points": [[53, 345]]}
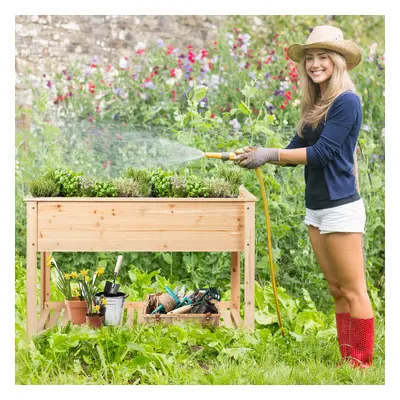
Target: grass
{"points": [[186, 355]]}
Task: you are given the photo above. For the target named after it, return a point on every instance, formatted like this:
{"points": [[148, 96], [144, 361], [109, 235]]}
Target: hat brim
{"points": [[349, 50]]}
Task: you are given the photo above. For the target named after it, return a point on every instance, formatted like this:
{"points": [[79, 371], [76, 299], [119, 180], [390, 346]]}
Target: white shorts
{"points": [[346, 218]]}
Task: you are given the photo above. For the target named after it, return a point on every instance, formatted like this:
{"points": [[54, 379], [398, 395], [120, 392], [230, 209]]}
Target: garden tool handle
{"points": [[118, 265]]}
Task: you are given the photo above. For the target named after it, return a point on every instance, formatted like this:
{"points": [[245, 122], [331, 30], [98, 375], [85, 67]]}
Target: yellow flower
{"points": [[74, 275], [48, 261], [87, 279], [100, 271], [84, 272], [103, 301], [75, 292], [67, 276], [97, 308]]}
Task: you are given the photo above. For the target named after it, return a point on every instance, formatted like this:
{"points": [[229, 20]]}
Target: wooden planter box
{"points": [[74, 224]]}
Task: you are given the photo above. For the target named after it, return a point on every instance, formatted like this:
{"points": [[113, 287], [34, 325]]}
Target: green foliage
{"points": [[69, 182], [161, 182], [43, 188], [63, 282], [218, 187], [126, 187]]}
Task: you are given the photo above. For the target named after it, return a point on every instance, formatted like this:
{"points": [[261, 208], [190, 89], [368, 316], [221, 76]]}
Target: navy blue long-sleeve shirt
{"points": [[332, 149]]}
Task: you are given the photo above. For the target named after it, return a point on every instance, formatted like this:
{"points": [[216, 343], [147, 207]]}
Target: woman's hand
{"points": [[254, 157]]}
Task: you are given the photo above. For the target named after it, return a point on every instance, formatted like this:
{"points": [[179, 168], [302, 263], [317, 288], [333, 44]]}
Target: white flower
{"points": [[170, 82], [140, 46], [178, 73], [235, 123], [366, 128], [124, 63]]}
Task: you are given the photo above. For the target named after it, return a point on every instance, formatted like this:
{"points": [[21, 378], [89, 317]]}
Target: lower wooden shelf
{"points": [[55, 313]]}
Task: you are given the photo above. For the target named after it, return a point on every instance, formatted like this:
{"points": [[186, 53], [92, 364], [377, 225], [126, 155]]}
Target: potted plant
{"points": [[89, 288], [74, 301]]}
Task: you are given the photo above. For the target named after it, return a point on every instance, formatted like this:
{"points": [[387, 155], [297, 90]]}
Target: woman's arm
{"points": [[293, 156]]}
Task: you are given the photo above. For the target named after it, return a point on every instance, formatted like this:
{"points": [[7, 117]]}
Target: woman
{"points": [[325, 141]]}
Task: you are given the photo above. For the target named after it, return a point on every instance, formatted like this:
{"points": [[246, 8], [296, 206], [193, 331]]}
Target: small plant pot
{"points": [[77, 310], [95, 321]]}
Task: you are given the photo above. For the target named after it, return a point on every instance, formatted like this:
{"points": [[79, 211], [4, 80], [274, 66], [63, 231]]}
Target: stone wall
{"points": [[44, 43]]}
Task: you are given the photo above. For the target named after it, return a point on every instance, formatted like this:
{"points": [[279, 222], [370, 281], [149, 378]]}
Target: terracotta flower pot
{"points": [[95, 321], [76, 310]]}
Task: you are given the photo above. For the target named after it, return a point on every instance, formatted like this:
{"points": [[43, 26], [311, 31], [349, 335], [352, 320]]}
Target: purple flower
{"points": [[279, 93], [49, 84], [187, 68], [160, 43], [268, 75], [95, 60], [117, 91], [149, 85], [235, 123], [382, 157]]}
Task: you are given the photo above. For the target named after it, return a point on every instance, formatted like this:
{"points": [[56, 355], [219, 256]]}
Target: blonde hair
{"points": [[314, 107]]}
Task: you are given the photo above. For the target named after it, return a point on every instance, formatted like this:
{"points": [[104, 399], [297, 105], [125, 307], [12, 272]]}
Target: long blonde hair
{"points": [[314, 107]]}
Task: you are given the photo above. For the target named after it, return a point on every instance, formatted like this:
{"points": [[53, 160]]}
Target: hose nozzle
{"points": [[224, 156]]}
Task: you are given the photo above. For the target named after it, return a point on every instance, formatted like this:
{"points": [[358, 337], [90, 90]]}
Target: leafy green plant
{"points": [[43, 188], [178, 186], [219, 187], [161, 182], [69, 181], [63, 281], [197, 187], [89, 289], [126, 187], [104, 189]]}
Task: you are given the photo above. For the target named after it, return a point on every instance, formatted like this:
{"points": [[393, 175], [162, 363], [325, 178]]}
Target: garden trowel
{"points": [[112, 287]]}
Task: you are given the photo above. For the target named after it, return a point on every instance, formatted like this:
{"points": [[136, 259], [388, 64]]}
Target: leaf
{"points": [[265, 318], [135, 346], [199, 93], [167, 258], [141, 360], [243, 108]]}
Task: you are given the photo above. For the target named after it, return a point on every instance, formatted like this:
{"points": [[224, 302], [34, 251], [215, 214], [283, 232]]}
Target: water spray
{"points": [[231, 156]]}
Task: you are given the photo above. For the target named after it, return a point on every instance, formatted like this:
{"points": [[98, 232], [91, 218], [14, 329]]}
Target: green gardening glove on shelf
{"points": [[254, 157]]}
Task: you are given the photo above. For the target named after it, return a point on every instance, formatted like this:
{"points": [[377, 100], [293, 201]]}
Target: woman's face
{"points": [[319, 66]]}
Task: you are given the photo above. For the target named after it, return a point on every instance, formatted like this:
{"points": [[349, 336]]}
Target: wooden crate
{"points": [[203, 319], [140, 224]]}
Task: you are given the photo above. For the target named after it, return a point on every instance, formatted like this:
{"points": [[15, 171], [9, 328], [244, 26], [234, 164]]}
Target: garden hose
{"points": [[231, 156]]}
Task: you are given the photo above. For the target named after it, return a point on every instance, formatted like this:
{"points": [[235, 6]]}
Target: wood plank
{"points": [[134, 304], [130, 316], [54, 318], [54, 305], [44, 315], [235, 279], [226, 315], [246, 197], [144, 241], [249, 265], [44, 279], [139, 216], [31, 261], [235, 315]]}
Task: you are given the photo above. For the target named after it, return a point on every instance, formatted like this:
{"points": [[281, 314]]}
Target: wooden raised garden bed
{"points": [[73, 224]]}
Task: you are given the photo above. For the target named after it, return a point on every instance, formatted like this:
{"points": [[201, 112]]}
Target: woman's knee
{"points": [[335, 291], [352, 294]]}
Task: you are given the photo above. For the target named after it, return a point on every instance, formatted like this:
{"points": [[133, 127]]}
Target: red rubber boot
{"points": [[362, 342], [343, 332]]}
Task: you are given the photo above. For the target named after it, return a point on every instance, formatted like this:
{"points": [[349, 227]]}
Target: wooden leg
{"points": [[31, 267], [235, 280], [249, 266], [44, 281]]}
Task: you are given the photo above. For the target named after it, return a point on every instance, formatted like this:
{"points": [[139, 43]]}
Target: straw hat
{"points": [[329, 38]]}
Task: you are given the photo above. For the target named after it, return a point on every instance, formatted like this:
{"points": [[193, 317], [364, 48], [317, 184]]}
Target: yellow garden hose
{"points": [[231, 156], [271, 262]]}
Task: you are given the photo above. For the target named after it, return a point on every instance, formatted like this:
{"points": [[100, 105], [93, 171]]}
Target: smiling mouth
{"points": [[317, 73]]}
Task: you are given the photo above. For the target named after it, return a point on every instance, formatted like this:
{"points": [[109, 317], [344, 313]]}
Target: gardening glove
{"points": [[253, 157]]}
